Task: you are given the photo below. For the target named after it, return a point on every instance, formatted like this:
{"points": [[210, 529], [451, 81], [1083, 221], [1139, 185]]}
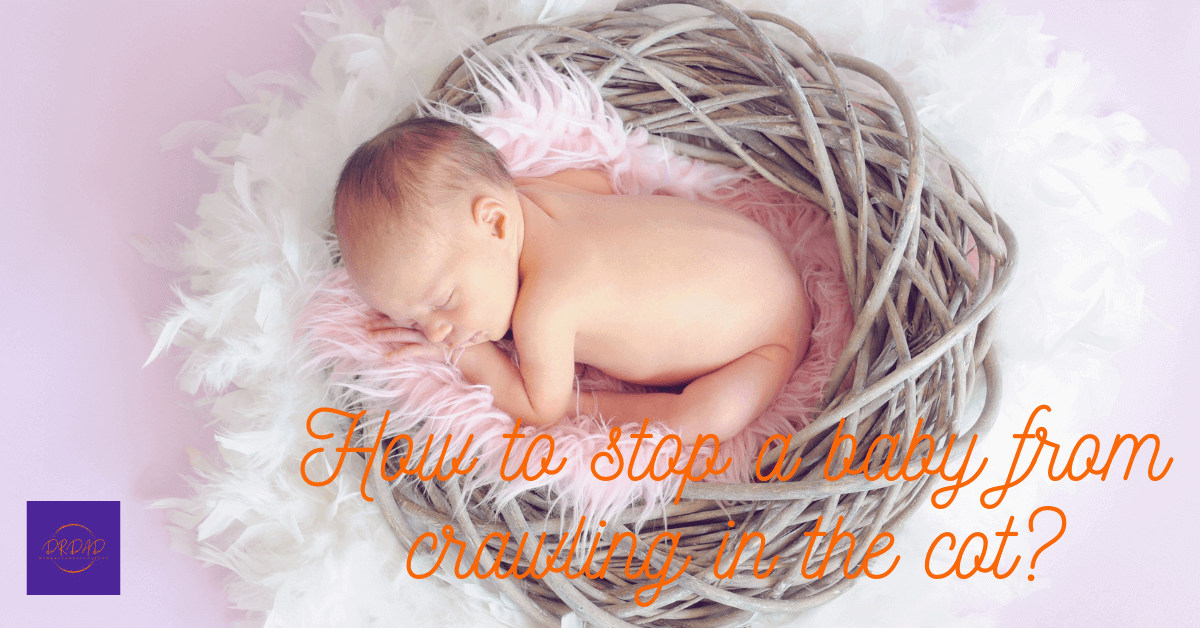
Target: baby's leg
{"points": [[720, 403]]}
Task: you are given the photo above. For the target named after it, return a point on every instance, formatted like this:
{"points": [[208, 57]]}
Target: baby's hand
{"points": [[414, 343]]}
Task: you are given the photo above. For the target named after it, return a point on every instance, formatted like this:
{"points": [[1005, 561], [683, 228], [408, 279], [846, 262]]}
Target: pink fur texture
{"points": [[544, 122]]}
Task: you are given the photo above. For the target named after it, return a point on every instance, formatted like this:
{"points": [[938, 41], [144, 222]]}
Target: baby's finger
{"points": [[414, 351], [397, 334], [381, 323]]}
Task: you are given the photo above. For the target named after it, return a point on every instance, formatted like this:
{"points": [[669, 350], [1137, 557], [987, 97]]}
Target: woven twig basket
{"points": [[755, 88]]}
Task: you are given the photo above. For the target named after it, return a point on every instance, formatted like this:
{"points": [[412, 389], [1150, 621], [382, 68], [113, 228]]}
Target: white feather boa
{"points": [[1068, 182]]}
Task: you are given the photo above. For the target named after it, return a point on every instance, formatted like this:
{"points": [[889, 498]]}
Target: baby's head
{"points": [[430, 229]]}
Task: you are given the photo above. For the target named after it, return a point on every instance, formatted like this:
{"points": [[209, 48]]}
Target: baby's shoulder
{"points": [[546, 299]]}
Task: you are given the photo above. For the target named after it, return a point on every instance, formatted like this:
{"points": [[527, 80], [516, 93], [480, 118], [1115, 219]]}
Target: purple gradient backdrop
{"points": [[87, 93]]}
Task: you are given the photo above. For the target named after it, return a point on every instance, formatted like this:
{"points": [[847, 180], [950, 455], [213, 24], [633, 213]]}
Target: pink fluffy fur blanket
{"points": [[542, 122]]}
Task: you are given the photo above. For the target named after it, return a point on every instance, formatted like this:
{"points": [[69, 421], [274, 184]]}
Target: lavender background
{"points": [[86, 91]]}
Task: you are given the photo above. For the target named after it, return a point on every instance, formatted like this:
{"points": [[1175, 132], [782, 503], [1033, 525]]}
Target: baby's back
{"points": [[664, 289]]}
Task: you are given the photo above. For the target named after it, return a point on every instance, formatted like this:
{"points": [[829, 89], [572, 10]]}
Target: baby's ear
{"points": [[489, 210]]}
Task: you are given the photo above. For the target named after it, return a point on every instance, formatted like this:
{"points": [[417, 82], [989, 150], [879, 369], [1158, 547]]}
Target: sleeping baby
{"points": [[454, 254]]}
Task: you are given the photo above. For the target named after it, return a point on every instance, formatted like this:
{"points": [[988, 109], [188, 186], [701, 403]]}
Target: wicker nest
{"points": [[756, 89]]}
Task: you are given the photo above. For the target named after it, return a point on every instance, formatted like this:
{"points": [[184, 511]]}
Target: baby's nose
{"points": [[438, 332]]}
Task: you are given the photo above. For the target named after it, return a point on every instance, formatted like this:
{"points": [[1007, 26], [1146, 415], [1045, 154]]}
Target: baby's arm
{"points": [[540, 392], [721, 403]]}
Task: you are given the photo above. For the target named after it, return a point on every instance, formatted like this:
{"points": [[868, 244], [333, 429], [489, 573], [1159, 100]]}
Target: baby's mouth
{"points": [[468, 341], [462, 345]]}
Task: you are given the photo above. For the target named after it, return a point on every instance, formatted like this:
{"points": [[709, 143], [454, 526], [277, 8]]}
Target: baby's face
{"points": [[457, 294]]}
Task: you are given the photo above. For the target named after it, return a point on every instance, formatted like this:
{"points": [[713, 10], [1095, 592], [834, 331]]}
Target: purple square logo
{"points": [[73, 548]]}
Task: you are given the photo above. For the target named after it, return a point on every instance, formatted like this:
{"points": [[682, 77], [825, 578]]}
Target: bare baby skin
{"points": [[652, 290]]}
